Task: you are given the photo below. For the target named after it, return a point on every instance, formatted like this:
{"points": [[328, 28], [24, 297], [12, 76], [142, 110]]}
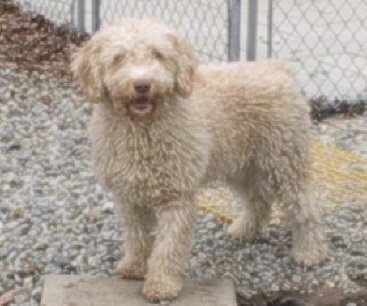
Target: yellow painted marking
{"points": [[337, 176]]}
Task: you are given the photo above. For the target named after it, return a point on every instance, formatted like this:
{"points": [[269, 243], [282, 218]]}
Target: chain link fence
{"points": [[58, 11], [326, 42], [203, 22], [61, 12]]}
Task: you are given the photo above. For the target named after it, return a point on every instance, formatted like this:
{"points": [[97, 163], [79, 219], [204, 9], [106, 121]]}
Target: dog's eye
{"points": [[158, 55], [117, 59]]}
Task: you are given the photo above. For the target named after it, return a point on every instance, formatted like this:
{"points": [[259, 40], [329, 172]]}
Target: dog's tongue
{"points": [[141, 106], [140, 103]]}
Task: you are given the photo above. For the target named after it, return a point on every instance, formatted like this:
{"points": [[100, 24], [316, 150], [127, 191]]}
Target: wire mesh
{"points": [[203, 22], [58, 11], [326, 41]]}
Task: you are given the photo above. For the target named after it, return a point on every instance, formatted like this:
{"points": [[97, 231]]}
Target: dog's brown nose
{"points": [[142, 86]]}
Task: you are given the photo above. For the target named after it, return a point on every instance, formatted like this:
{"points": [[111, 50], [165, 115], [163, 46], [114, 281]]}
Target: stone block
{"points": [[76, 290]]}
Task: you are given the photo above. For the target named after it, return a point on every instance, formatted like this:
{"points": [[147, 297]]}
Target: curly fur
{"points": [[243, 123]]}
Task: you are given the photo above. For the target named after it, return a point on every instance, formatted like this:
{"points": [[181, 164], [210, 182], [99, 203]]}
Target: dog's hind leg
{"points": [[309, 245], [138, 224], [256, 209]]}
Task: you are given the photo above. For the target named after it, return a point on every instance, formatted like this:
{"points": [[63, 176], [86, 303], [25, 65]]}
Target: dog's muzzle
{"points": [[141, 104]]}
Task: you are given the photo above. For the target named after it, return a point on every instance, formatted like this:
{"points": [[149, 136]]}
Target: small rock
{"points": [[92, 262], [358, 251], [211, 225], [22, 295], [14, 147], [24, 229], [357, 271], [296, 278], [61, 260], [7, 297], [27, 281], [243, 293], [107, 207], [3, 253], [339, 241], [274, 287], [356, 237], [36, 294]]}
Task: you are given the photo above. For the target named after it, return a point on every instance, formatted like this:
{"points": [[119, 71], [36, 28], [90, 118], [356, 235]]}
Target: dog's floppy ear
{"points": [[87, 70], [186, 65]]}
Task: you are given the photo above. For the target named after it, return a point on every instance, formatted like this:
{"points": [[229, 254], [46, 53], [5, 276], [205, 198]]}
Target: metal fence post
{"points": [[270, 29], [251, 41], [234, 30], [96, 15], [80, 15]]}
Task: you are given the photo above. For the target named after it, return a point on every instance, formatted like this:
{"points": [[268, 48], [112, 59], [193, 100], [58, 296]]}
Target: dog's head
{"points": [[138, 65]]}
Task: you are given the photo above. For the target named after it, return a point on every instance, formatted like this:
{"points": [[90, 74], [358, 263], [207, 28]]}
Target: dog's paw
{"points": [[309, 255], [131, 269], [309, 246], [161, 289], [243, 229]]}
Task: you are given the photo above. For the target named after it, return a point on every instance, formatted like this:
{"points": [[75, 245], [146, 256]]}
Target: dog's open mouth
{"points": [[141, 106]]}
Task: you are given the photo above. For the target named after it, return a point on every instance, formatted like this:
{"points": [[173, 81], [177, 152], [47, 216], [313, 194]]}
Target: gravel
{"points": [[55, 219]]}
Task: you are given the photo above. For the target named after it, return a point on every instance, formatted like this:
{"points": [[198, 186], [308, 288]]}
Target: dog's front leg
{"points": [[138, 223], [166, 266]]}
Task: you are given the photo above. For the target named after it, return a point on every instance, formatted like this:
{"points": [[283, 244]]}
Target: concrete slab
{"points": [[75, 290]]}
